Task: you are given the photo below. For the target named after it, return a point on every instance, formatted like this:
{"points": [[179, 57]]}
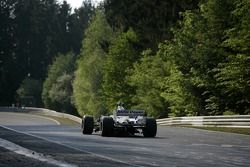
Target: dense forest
{"points": [[171, 58]]}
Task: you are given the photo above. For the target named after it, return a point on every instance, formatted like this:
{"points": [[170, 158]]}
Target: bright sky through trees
{"points": [[78, 3]]}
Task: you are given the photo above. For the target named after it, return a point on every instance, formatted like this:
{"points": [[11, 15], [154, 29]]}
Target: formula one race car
{"points": [[122, 121]]}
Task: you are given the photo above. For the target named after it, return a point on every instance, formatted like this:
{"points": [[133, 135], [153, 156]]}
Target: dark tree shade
{"points": [[151, 19], [32, 32], [8, 58]]}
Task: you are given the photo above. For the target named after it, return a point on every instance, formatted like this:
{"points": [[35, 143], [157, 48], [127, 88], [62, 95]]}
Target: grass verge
{"points": [[245, 131]]}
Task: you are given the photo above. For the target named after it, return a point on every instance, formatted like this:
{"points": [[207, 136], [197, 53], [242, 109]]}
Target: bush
{"points": [[29, 92], [57, 88]]}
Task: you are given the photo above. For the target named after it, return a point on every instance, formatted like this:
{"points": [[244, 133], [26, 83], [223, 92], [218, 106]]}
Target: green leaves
{"points": [[29, 92], [89, 73], [233, 75], [233, 78], [57, 88], [122, 54], [61, 90], [202, 45], [201, 69], [151, 20], [32, 33], [147, 77]]}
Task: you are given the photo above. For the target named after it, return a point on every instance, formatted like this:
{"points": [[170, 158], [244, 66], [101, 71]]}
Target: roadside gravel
{"points": [[9, 158]]}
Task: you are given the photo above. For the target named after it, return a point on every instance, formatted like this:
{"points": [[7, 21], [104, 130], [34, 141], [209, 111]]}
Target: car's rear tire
{"points": [[87, 124], [151, 128], [107, 126]]}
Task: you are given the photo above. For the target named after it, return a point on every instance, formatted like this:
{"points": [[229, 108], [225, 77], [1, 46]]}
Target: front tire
{"points": [[151, 128], [87, 124], [107, 126]]}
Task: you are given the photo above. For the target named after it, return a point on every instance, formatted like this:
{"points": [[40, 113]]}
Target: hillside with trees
{"points": [[32, 34], [171, 58]]}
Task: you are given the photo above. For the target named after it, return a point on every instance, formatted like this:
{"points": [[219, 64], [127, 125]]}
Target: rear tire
{"points": [[151, 128], [107, 126], [87, 124]]}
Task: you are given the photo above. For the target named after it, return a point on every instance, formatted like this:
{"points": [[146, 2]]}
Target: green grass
{"points": [[245, 131]]}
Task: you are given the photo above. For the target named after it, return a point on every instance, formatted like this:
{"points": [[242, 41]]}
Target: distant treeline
{"points": [[32, 33], [171, 58]]}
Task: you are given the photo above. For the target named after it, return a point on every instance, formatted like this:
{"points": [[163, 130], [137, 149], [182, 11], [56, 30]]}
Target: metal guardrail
{"points": [[241, 121]]}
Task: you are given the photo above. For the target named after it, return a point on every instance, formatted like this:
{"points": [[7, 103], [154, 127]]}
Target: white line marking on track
{"points": [[31, 154], [34, 115], [98, 155], [51, 119]]}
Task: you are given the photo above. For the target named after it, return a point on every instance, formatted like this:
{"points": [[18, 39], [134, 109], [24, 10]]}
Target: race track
{"points": [[173, 146]]}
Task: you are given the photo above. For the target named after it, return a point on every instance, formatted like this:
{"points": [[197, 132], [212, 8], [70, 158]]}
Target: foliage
{"points": [[89, 73], [61, 92], [123, 52], [161, 88], [9, 66], [200, 78], [147, 77], [151, 20], [176, 90], [172, 58], [32, 33], [195, 72], [233, 76], [30, 90], [196, 50], [57, 88]]}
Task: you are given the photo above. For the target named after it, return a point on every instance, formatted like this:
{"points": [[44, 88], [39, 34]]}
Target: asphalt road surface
{"points": [[173, 146]]}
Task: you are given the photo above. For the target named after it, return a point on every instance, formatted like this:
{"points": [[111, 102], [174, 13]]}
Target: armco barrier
{"points": [[43, 111], [241, 121]]}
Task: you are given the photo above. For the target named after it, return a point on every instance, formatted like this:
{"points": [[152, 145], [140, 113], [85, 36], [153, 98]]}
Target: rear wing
{"points": [[130, 113]]}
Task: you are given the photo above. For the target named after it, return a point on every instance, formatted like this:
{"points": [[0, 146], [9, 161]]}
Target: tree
{"points": [[32, 33], [61, 93], [88, 97], [187, 85], [151, 20], [123, 52], [57, 88], [177, 87], [29, 92], [197, 50], [161, 88], [147, 77], [233, 76], [9, 66], [77, 23]]}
